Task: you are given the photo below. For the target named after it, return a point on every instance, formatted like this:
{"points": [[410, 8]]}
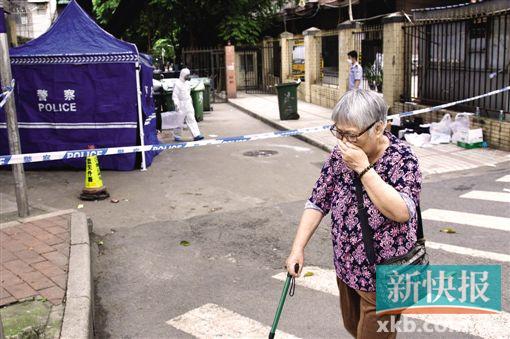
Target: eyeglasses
{"points": [[349, 137]]}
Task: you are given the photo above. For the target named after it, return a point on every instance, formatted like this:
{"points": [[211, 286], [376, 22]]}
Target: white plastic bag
{"points": [[440, 132], [171, 120], [418, 140], [460, 126]]}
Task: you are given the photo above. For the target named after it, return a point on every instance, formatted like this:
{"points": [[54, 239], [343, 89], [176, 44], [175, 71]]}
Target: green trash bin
{"points": [[197, 95], [287, 100]]}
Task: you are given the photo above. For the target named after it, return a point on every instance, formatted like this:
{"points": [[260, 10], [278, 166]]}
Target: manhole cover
{"points": [[260, 153]]}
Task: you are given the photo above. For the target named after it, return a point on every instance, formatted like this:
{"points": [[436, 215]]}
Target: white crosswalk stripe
{"points": [[471, 219], [505, 178], [469, 251], [493, 326], [487, 196], [213, 321]]}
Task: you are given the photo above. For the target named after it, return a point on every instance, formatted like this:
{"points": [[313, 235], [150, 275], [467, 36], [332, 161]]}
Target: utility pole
{"points": [[12, 119]]}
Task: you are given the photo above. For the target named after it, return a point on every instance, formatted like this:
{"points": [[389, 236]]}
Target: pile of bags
{"points": [[447, 131]]}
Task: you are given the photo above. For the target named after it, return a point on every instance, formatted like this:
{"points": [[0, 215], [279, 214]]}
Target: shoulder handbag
{"points": [[416, 256]]}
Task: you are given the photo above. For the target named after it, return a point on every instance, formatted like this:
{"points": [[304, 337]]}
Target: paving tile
{"points": [[18, 266], [9, 278], [29, 256], [53, 294], [48, 238], [26, 238], [62, 248], [41, 248], [59, 221], [37, 280], [56, 302], [10, 230], [13, 245], [60, 280], [31, 229], [7, 301], [4, 293], [48, 269], [66, 237], [56, 230], [21, 291], [6, 256], [57, 258], [44, 223]]}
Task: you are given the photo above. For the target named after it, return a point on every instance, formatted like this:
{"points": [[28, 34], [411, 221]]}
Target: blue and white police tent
{"points": [[77, 85]]}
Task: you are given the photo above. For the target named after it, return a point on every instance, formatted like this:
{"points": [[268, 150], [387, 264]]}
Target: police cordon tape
{"points": [[7, 93], [60, 155], [51, 156], [449, 104]]}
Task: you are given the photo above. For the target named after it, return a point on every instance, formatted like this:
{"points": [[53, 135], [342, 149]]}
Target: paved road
{"points": [[148, 286], [239, 215]]}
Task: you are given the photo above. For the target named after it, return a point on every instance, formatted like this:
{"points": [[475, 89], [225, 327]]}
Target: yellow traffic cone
{"points": [[94, 188]]}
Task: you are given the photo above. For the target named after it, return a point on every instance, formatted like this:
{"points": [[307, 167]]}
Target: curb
{"points": [[280, 127], [35, 218], [78, 313]]}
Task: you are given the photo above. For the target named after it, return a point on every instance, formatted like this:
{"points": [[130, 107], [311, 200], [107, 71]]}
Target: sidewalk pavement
{"points": [[36, 254], [442, 158], [34, 257]]}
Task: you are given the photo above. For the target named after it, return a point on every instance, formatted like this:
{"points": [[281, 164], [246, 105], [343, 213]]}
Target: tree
{"points": [[163, 48], [186, 22]]}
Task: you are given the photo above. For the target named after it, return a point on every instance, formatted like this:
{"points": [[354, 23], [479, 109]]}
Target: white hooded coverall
{"points": [[183, 104]]}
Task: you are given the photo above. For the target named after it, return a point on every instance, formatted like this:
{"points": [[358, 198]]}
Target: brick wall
{"points": [[325, 96], [393, 55]]}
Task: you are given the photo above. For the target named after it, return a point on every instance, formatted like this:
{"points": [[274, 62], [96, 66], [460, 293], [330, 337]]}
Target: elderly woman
{"points": [[391, 180]]}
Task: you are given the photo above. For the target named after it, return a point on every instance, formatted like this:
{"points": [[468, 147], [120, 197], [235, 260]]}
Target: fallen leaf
{"points": [[80, 206], [448, 230], [184, 243], [308, 274]]}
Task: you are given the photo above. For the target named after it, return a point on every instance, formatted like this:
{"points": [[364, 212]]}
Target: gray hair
{"points": [[359, 108]]}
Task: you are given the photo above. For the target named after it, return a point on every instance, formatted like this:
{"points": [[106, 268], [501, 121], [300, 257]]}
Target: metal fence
{"points": [[22, 13], [210, 63], [448, 60], [368, 43], [258, 67]]}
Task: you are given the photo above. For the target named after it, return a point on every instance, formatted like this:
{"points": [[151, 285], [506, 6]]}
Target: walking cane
{"points": [[282, 300]]}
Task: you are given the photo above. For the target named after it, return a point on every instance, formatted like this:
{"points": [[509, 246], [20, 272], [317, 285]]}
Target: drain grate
{"points": [[261, 153]]}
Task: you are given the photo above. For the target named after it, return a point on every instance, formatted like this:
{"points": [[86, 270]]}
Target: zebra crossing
{"points": [[214, 321]]}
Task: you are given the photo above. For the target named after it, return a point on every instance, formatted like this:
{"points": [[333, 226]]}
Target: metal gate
{"points": [[210, 63], [369, 45], [451, 59], [258, 67]]}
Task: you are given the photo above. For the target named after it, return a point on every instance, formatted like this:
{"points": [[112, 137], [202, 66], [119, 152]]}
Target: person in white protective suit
{"points": [[184, 105]]}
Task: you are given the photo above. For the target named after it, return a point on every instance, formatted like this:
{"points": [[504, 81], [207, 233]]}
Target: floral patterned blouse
{"points": [[335, 191]]}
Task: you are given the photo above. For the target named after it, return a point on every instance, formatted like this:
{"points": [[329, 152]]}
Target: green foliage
{"points": [[103, 9], [172, 24], [240, 29], [164, 45]]}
